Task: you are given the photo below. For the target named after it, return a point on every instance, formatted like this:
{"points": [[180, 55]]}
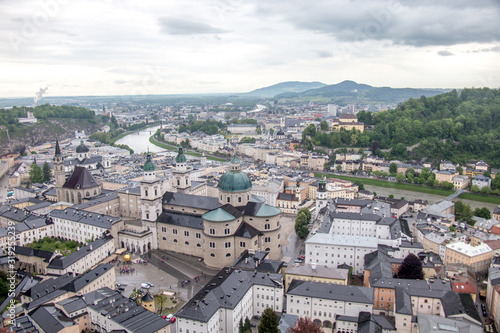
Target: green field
{"points": [[170, 147], [414, 188]]}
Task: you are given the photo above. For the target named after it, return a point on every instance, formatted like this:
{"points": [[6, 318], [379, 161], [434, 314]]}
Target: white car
{"points": [[145, 285]]}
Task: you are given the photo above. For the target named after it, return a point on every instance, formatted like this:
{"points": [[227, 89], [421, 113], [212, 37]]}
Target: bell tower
{"points": [[321, 195], [150, 191], [181, 179], [59, 173]]}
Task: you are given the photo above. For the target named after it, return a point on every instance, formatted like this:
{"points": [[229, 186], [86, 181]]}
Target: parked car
{"points": [[150, 284], [145, 285]]}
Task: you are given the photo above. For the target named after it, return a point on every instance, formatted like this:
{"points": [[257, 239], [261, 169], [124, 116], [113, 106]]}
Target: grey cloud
{"points": [[404, 23], [491, 49], [120, 81], [177, 26], [324, 54], [445, 53]]}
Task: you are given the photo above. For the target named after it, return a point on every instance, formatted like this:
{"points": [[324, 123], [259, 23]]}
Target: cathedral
{"points": [[216, 229]]}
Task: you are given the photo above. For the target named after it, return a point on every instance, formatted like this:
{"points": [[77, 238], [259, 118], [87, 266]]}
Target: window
{"points": [[212, 245], [227, 231], [147, 216], [186, 242], [242, 244], [227, 245], [239, 199], [186, 233], [228, 254], [175, 240], [198, 245], [212, 231], [212, 254], [198, 235], [163, 229], [267, 239], [267, 226], [146, 192], [164, 238], [228, 199], [174, 231]]}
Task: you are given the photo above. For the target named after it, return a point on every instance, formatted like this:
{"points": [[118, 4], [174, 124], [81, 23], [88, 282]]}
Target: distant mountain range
{"points": [[285, 87], [344, 90]]}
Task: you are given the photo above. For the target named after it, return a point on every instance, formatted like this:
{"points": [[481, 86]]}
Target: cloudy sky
{"points": [[105, 47]]}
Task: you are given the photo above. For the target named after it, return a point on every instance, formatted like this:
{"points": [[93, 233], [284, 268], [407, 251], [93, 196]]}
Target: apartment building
{"points": [[477, 257], [323, 302]]}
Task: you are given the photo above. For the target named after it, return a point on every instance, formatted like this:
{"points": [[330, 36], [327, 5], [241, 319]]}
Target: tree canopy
{"points": [[455, 126], [411, 268], [269, 322], [305, 325]]}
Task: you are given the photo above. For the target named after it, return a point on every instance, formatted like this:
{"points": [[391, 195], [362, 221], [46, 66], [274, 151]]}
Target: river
{"points": [[139, 141], [431, 198]]}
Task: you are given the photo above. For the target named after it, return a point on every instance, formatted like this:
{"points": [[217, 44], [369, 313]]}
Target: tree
{"points": [[460, 170], [271, 131], [452, 228], [474, 188], [410, 171], [463, 212], [400, 177], [35, 174], [324, 125], [247, 327], [46, 174], [393, 168], [411, 268], [483, 212], [269, 322], [485, 190], [301, 225], [307, 213], [391, 196], [305, 325]]}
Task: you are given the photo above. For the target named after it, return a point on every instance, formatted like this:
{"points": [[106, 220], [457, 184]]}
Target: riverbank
{"points": [[173, 148], [415, 188], [124, 134]]}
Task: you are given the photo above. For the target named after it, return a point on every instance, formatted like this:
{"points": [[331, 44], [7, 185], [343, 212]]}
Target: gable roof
{"points": [[80, 179]]}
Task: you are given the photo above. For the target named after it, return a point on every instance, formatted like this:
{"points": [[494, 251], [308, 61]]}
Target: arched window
{"points": [[178, 182], [228, 254], [164, 238], [175, 240], [146, 193], [198, 245], [212, 255], [87, 194], [187, 243], [156, 191], [95, 192], [239, 199]]}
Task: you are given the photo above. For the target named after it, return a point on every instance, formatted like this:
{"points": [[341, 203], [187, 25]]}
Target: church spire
{"points": [[58, 149]]}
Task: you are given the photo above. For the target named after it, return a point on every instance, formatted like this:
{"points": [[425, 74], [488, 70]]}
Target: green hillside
{"points": [[455, 126]]}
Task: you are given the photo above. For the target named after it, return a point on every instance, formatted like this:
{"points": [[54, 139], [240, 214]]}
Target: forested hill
{"points": [[53, 121], [455, 126]]}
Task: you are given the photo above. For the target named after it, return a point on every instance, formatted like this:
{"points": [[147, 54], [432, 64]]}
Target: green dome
{"points": [[149, 165], [234, 182], [181, 158]]}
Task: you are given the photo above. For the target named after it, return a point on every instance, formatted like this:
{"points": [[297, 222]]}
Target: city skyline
{"points": [[121, 48]]}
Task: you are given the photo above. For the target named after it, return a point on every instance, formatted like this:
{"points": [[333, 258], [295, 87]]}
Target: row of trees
{"points": [[209, 127], [40, 175], [464, 213]]}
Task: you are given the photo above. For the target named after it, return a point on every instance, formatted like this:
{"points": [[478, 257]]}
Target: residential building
{"points": [[477, 257], [316, 273]]}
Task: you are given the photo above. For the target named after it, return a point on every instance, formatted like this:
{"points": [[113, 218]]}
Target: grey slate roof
{"points": [[81, 216], [72, 304], [26, 251], [189, 200], [81, 178], [97, 200], [225, 290], [124, 311], [25, 325], [50, 319], [183, 220], [64, 262], [84, 279], [331, 291]]}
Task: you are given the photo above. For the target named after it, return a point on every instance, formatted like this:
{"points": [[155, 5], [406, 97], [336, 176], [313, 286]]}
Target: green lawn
{"points": [[52, 244], [414, 188], [170, 147]]}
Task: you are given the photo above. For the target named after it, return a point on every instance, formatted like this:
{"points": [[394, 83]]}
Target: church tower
{"points": [[151, 192], [203, 159], [181, 179], [234, 186], [82, 151], [59, 173], [321, 195]]}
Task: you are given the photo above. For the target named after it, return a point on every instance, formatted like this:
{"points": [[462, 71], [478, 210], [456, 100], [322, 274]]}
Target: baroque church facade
{"points": [[215, 228]]}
